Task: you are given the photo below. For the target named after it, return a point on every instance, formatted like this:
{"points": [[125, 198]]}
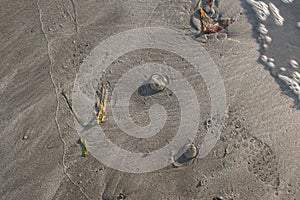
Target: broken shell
{"points": [[158, 82], [191, 152]]}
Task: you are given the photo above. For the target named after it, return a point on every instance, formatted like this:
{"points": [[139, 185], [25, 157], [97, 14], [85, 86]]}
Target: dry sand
{"points": [[40, 55]]}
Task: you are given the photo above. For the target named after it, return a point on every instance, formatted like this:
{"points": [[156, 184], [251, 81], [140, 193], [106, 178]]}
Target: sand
{"points": [[44, 43]]}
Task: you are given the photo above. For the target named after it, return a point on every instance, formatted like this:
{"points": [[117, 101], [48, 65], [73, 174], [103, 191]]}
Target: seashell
{"points": [[158, 82]]}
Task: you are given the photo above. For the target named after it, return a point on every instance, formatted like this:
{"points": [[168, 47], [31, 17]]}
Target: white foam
{"points": [[296, 77], [279, 20], [291, 83], [294, 63], [262, 29], [271, 59], [265, 46], [261, 9], [268, 39], [287, 1], [286, 79], [264, 58], [271, 64], [282, 69]]}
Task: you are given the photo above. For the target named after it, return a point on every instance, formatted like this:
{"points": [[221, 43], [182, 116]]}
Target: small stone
{"points": [[25, 137]]}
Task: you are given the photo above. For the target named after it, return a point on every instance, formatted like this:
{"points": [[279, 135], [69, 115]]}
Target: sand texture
{"points": [[43, 44]]}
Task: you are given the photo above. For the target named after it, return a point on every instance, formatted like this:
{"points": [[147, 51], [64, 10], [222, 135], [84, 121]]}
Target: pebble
{"points": [[298, 24], [25, 137]]}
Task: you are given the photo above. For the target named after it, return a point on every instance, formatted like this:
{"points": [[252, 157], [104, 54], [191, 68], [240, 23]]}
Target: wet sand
{"points": [[41, 53]]}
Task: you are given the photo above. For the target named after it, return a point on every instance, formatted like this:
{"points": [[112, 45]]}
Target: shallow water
{"points": [[279, 36]]}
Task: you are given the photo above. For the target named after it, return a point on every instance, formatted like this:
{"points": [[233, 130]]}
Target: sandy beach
{"points": [[43, 46]]}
